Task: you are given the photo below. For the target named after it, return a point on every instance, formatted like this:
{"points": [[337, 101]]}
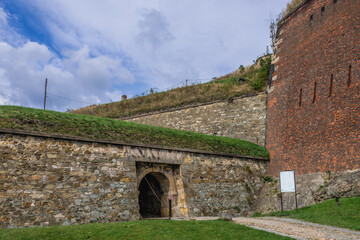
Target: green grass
{"points": [[223, 88], [147, 229], [346, 215], [178, 97], [68, 124]]}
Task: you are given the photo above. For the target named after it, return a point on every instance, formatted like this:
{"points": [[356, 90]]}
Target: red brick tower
{"points": [[313, 118]]}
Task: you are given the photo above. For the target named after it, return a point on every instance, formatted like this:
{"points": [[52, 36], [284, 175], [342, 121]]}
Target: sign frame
{"points": [[287, 185], [287, 181]]}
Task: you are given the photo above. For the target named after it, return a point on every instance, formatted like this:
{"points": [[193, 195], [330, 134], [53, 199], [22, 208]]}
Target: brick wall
{"points": [[313, 120]]}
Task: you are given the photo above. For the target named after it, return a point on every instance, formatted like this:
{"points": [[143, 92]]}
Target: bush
{"points": [[263, 73], [258, 84], [267, 178]]}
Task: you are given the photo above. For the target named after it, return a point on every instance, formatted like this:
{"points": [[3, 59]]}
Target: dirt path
{"points": [[298, 229]]}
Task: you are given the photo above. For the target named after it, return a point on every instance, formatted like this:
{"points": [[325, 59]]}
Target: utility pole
{"points": [[45, 93]]}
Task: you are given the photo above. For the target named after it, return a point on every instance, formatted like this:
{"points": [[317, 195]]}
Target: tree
{"points": [[273, 28]]}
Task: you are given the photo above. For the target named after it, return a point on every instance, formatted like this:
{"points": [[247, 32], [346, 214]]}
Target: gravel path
{"points": [[298, 229]]}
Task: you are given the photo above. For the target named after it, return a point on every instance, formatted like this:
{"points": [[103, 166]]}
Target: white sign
{"points": [[287, 181]]}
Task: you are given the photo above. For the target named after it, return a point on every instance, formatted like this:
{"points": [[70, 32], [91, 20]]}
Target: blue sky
{"points": [[94, 51]]}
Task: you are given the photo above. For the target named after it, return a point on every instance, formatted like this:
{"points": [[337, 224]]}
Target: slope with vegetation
{"points": [[223, 88], [68, 124], [292, 5], [346, 215]]}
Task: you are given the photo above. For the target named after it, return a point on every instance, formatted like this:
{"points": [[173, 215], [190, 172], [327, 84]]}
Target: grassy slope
{"points": [[147, 229], [36, 120], [223, 88], [292, 5], [346, 215]]}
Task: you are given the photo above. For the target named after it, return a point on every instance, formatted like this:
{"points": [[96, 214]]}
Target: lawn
{"points": [[146, 229], [97, 128], [346, 215]]}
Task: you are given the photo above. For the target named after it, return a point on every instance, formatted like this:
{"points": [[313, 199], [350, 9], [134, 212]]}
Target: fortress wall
{"points": [[310, 188], [313, 101], [56, 180], [244, 118]]}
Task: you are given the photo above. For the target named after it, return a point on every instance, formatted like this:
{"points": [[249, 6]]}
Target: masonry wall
{"points": [[311, 188], [244, 118], [59, 181], [313, 101], [44, 181], [217, 184]]}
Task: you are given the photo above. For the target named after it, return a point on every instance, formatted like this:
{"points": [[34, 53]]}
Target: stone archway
{"points": [[153, 195], [165, 181]]}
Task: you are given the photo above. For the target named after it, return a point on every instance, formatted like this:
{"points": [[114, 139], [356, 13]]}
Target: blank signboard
{"points": [[287, 181]]}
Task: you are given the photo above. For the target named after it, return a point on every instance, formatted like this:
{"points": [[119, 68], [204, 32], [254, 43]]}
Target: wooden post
{"points": [[45, 93], [169, 208], [295, 193]]}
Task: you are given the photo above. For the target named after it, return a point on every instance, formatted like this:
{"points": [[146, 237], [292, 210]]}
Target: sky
{"points": [[95, 51]]}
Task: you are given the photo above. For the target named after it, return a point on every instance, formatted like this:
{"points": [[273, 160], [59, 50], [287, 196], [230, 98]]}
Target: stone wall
{"points": [[57, 180], [44, 181], [313, 100], [311, 188], [214, 184], [243, 118]]}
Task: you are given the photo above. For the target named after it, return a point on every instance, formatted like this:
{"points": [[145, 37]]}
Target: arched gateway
{"points": [[153, 195], [156, 183]]}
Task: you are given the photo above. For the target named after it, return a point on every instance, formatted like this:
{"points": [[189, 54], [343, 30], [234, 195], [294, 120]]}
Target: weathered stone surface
{"points": [[244, 118], [311, 188], [214, 185], [46, 181]]}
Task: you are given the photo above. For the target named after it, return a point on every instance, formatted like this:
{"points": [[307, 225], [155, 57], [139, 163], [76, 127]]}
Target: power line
{"points": [[201, 79], [71, 99]]}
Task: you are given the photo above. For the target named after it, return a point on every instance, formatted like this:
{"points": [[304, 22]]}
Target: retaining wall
{"points": [[57, 180], [242, 118]]}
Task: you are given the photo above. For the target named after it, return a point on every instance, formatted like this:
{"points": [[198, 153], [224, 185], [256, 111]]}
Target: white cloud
{"points": [[109, 45], [76, 79], [154, 29], [6, 32], [3, 17], [78, 76]]}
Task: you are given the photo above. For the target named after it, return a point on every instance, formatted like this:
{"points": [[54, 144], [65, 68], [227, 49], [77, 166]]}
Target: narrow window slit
{"points": [[300, 97], [314, 96], [349, 76], [331, 84]]}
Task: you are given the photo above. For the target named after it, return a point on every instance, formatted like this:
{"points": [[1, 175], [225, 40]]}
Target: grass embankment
{"points": [[292, 5], [223, 88], [147, 229], [346, 215], [68, 124]]}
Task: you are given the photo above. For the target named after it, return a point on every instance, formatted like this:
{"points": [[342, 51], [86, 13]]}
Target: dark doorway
{"points": [[150, 197]]}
